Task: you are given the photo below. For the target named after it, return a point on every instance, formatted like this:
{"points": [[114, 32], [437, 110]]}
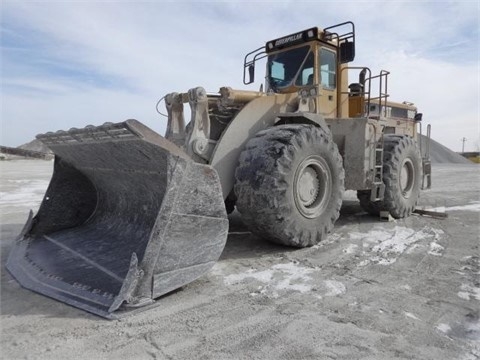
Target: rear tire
{"points": [[402, 176], [289, 184]]}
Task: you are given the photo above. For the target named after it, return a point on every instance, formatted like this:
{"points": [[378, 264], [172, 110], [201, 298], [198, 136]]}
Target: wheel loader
{"points": [[130, 215]]}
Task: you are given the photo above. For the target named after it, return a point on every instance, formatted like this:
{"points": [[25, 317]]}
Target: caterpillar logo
{"points": [[288, 39], [291, 40]]}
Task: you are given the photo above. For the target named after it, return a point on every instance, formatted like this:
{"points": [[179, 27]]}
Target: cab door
{"points": [[327, 73]]}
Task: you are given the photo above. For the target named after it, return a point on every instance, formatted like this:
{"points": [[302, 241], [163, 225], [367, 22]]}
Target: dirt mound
{"points": [[440, 154], [36, 145]]}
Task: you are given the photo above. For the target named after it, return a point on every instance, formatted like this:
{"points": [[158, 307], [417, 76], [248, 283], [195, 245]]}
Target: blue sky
{"points": [[69, 63]]}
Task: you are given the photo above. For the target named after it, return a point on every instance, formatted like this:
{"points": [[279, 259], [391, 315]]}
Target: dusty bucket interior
{"points": [[114, 216], [86, 232]]}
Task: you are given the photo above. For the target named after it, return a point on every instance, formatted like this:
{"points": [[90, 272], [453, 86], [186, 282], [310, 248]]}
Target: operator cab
{"points": [[291, 59], [289, 70], [291, 62], [309, 60]]}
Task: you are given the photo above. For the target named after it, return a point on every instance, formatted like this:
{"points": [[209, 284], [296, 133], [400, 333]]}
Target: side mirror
{"points": [[347, 52], [251, 73], [418, 117]]}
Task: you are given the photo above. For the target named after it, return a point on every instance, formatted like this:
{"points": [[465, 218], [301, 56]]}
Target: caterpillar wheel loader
{"points": [[130, 215]]}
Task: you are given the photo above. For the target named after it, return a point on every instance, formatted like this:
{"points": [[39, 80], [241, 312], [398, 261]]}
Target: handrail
{"points": [[367, 91], [257, 54], [345, 36]]}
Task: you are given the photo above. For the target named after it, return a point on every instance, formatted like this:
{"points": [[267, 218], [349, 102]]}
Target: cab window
{"points": [[328, 68], [283, 67], [305, 76]]}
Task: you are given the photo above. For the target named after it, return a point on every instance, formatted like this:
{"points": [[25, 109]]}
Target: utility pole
{"points": [[463, 144]]}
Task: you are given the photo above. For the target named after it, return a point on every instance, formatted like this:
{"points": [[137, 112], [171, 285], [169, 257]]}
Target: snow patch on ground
{"points": [[350, 249], [445, 328], [334, 288], [410, 315], [436, 249], [473, 206], [384, 246], [469, 292], [414, 248], [283, 278], [286, 277], [364, 263], [219, 268], [294, 276], [262, 276]]}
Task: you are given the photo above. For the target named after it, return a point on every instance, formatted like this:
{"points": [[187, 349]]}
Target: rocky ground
{"points": [[407, 289]]}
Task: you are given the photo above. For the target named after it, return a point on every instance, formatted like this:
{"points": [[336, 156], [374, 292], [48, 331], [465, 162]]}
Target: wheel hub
{"points": [[308, 186], [312, 186]]}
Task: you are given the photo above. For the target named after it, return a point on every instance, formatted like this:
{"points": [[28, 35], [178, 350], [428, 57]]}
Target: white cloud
{"points": [[77, 63]]}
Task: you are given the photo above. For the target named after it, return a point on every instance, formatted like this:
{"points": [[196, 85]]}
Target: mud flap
{"points": [[127, 217]]}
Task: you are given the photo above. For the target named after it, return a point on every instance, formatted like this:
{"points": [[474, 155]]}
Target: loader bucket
{"points": [[127, 217]]}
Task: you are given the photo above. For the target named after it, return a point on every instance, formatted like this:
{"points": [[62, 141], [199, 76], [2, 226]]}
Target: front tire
{"points": [[289, 184]]}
